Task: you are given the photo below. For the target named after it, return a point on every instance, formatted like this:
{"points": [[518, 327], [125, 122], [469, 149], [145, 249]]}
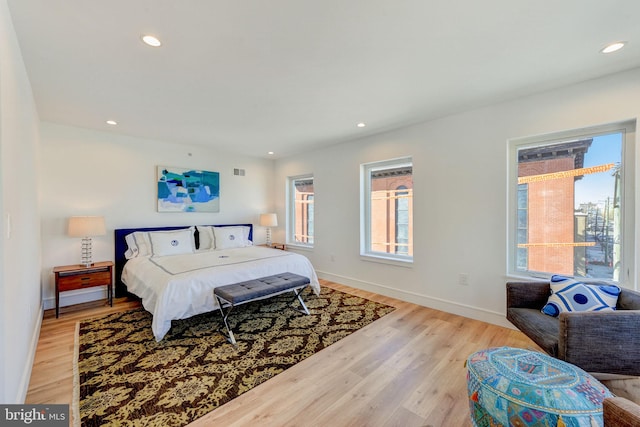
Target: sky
{"points": [[597, 187]]}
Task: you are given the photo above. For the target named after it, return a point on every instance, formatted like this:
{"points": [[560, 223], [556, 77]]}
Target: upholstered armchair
{"points": [[596, 341]]}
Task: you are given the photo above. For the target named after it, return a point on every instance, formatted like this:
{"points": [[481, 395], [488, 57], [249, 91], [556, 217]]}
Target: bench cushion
{"points": [[258, 288]]}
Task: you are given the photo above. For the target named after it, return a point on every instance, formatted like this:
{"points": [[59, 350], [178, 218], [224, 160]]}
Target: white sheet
{"points": [[181, 286]]}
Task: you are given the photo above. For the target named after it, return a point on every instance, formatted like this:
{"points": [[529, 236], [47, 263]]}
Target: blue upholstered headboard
{"points": [[120, 247]]}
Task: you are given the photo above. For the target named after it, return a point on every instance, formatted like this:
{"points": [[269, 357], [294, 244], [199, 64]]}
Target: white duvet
{"points": [[181, 286]]}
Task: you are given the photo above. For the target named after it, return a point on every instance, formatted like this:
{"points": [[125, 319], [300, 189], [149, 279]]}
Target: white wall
{"points": [[20, 294], [460, 187], [87, 172]]}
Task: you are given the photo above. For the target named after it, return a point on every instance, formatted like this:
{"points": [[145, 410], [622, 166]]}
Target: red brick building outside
{"points": [[551, 232], [303, 222], [392, 211]]}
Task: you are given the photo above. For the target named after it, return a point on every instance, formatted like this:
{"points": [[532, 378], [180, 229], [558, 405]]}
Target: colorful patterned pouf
{"points": [[516, 387]]}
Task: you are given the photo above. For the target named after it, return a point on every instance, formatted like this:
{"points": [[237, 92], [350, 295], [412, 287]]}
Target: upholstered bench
{"points": [[230, 296], [516, 387]]}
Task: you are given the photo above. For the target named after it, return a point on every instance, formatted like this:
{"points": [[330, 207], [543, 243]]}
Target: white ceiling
{"points": [[253, 76]]}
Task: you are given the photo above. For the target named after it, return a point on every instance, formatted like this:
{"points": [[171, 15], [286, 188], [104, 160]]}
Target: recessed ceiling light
{"points": [[112, 122], [151, 40], [613, 47], [361, 125], [270, 153]]}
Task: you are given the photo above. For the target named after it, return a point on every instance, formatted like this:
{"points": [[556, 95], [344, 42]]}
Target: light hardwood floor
{"points": [[406, 369]]}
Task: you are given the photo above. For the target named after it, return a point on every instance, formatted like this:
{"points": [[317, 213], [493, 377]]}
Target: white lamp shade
{"points": [[269, 220], [84, 226]]}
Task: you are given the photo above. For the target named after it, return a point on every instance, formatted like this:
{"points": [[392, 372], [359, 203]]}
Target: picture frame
{"points": [[187, 190]]}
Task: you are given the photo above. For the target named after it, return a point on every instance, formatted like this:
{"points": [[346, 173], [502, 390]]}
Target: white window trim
{"points": [[290, 220], [628, 214], [365, 218]]}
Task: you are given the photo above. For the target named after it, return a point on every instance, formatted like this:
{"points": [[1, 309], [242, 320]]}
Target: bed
{"points": [[173, 282]]}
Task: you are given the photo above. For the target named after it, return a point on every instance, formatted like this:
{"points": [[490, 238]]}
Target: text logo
{"points": [[34, 415]]}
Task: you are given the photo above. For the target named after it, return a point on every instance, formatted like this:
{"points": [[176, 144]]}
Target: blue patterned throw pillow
{"points": [[568, 294]]}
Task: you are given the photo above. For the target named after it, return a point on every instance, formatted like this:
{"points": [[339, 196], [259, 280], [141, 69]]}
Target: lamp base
{"points": [[85, 252]]}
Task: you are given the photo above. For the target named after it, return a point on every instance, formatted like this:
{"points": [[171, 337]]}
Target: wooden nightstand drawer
{"points": [[78, 281]]}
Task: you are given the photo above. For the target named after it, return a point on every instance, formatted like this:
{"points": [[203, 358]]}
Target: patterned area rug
{"points": [[124, 377]]}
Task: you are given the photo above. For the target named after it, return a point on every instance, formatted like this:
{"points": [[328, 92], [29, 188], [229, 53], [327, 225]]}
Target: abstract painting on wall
{"points": [[188, 190]]}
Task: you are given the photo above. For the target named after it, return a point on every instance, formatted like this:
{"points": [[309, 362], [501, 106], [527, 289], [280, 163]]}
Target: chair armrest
{"points": [[601, 341], [527, 294], [620, 412]]}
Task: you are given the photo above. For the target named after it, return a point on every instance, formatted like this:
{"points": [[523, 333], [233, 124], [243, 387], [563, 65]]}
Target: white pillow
{"points": [[173, 242], [207, 241], [132, 248], [231, 237], [138, 244]]}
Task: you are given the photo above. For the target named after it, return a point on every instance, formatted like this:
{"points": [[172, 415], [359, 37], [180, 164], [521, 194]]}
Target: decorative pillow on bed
{"points": [[138, 244], [568, 294], [173, 242], [205, 237], [231, 237]]}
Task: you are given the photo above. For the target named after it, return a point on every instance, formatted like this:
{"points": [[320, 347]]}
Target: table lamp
{"points": [[86, 227], [268, 220]]}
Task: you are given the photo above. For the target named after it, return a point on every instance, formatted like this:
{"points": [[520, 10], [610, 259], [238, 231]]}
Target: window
{"points": [[300, 224], [572, 212], [387, 200]]}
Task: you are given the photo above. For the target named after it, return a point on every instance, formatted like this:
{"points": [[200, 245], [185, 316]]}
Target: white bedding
{"points": [[181, 286]]}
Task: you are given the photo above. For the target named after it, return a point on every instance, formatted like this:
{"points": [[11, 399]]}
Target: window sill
{"points": [[406, 263], [546, 277], [524, 276], [298, 246]]}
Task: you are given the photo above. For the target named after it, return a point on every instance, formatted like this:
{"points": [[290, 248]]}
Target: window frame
{"points": [[398, 224], [627, 214], [291, 210], [365, 207]]}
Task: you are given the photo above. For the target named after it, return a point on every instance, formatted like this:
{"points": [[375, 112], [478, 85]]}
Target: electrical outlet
{"points": [[463, 279]]}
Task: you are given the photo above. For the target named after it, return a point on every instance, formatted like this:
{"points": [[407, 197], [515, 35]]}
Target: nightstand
{"points": [[281, 246], [72, 277]]}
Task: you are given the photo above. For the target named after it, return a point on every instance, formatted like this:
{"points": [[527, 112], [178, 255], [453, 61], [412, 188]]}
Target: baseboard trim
{"points": [[28, 367], [448, 306]]}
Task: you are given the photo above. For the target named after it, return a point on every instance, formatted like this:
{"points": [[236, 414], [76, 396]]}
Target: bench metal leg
{"points": [[229, 333], [298, 293]]}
